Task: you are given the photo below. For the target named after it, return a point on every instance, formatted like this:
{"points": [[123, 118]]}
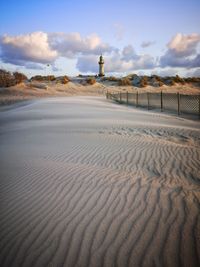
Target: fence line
{"points": [[180, 103]]}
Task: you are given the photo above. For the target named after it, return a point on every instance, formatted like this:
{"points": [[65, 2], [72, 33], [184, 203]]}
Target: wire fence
{"points": [[175, 102]]}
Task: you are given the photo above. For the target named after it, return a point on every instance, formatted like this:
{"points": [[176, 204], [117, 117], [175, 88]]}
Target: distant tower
{"points": [[101, 66]]}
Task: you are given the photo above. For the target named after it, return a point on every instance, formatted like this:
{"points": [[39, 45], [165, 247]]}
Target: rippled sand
{"points": [[86, 182]]}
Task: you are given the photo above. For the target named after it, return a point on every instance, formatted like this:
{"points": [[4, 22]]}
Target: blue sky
{"points": [[140, 29]]}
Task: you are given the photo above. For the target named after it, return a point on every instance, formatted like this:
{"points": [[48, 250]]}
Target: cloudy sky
{"points": [[67, 36]]}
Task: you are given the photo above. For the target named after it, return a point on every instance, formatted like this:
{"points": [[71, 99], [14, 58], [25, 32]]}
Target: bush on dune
{"points": [[9, 79], [124, 82], [43, 78], [90, 81], [6, 79], [19, 77], [65, 79], [178, 79], [111, 79], [144, 81], [192, 79]]}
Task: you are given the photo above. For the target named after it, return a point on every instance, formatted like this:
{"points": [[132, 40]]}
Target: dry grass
{"points": [[8, 79], [90, 81], [124, 82]]}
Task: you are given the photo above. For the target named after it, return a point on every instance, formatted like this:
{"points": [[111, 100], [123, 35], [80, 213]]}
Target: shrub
{"points": [[111, 79], [19, 77], [65, 79], [43, 78], [51, 78], [6, 79], [90, 81], [124, 81], [144, 81], [157, 78], [172, 82], [178, 79], [160, 83], [192, 79]]}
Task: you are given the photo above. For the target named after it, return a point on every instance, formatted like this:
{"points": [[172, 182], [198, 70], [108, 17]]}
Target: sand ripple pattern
{"points": [[95, 188]]}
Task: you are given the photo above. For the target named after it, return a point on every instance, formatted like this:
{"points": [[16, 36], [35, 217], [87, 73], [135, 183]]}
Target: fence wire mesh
{"points": [[165, 101], [143, 100], [170, 102], [155, 100], [190, 103]]}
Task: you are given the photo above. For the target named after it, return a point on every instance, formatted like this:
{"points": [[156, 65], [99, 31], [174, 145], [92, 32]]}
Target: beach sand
{"points": [[87, 182]]}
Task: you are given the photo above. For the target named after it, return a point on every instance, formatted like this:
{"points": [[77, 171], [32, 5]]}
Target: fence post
{"points": [[137, 99], [148, 99], [161, 101], [127, 98], [120, 97], [199, 106], [178, 98], [106, 94]]}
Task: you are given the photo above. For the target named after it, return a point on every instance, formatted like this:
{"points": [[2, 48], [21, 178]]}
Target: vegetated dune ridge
{"points": [[86, 182], [79, 86]]}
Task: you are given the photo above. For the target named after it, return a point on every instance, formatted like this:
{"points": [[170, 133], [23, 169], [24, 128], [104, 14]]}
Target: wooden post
{"points": [[178, 99], [161, 101], [127, 98], [148, 99], [137, 99]]}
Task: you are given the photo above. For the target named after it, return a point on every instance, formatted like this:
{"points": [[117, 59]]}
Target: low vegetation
{"points": [[90, 81], [8, 79], [63, 79], [43, 78], [153, 80], [124, 82], [111, 79]]}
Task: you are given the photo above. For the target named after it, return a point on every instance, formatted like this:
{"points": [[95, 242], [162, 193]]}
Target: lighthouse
{"points": [[101, 66]]}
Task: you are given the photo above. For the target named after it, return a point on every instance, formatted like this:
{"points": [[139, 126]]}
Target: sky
{"points": [[67, 36]]}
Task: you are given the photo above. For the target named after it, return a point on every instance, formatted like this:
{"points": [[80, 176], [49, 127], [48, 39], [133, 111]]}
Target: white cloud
{"points": [[32, 47], [119, 61], [37, 49], [165, 72], [184, 45], [40, 47], [182, 51], [72, 44], [128, 53], [193, 73]]}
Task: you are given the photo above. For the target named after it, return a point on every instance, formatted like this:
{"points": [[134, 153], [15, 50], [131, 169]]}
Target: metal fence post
{"points": [[120, 97], [178, 99], [137, 99], [161, 101], [148, 99], [127, 98]]}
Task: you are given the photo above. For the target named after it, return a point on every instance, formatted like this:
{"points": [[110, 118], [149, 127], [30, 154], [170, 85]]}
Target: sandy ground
{"points": [[86, 182], [33, 90]]}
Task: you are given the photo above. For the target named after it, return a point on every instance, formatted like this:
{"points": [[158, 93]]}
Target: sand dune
{"points": [[86, 182]]}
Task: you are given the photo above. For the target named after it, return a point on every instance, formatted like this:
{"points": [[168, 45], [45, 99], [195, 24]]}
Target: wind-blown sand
{"points": [[86, 182]]}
